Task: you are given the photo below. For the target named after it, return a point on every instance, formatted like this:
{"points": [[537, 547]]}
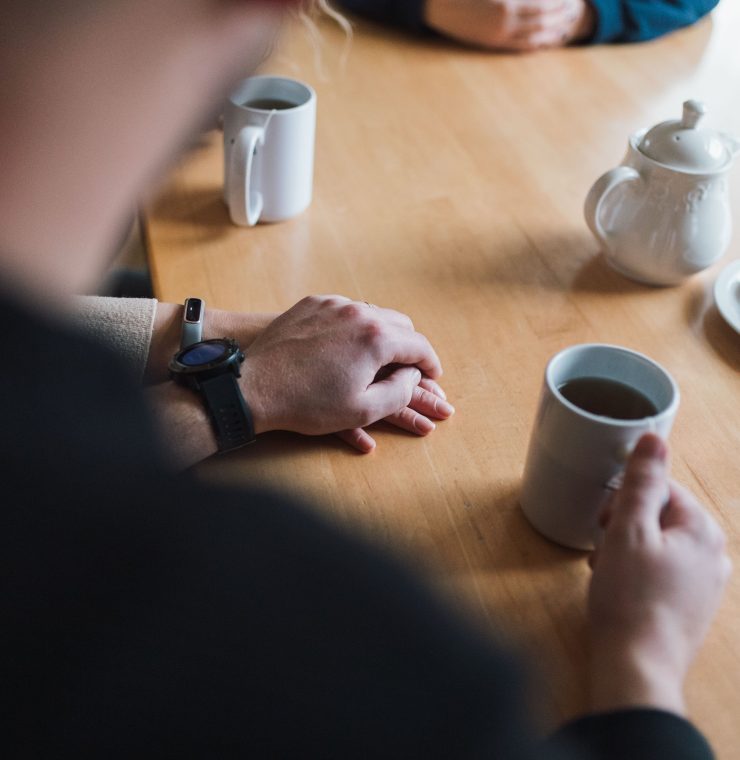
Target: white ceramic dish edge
{"points": [[727, 294]]}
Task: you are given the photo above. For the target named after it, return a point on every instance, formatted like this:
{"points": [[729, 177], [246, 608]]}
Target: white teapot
{"points": [[664, 214]]}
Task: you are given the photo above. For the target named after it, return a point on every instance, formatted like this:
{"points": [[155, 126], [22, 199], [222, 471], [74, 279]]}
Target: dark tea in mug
{"points": [[269, 104], [608, 398]]}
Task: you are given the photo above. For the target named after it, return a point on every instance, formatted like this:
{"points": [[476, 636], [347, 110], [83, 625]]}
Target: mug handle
{"points": [[598, 193], [245, 203]]}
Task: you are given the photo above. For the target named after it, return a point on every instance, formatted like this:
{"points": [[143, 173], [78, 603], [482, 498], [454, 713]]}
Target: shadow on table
{"points": [[508, 542], [596, 276], [723, 339], [552, 260]]}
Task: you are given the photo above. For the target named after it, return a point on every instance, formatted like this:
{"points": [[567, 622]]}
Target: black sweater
{"points": [[146, 614]]}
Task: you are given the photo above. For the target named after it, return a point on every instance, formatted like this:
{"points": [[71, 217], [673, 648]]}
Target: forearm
{"points": [[185, 427]]}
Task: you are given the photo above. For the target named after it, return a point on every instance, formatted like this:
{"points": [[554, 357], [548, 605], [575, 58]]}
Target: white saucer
{"points": [[727, 294]]}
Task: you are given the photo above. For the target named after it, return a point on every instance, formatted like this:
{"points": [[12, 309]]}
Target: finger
{"points": [[682, 511], [547, 38], [605, 515], [725, 569], [393, 317], [411, 421], [358, 439], [542, 22], [529, 9], [526, 44], [430, 385], [391, 394], [430, 405], [644, 493], [686, 512], [412, 349]]}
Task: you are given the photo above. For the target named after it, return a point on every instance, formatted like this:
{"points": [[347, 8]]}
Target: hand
{"points": [[511, 24], [330, 364], [659, 574], [428, 402]]}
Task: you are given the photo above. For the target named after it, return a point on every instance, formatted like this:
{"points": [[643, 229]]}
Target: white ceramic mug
{"points": [[576, 459], [269, 151]]}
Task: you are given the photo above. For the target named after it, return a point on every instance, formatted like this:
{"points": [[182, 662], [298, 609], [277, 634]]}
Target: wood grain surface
{"points": [[449, 185]]}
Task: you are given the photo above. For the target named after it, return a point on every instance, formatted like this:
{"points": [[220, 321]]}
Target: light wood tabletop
{"points": [[449, 185]]}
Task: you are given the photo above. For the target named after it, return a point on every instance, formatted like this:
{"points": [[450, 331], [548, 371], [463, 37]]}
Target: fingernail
{"points": [[367, 443], [439, 391], [444, 408], [424, 425]]}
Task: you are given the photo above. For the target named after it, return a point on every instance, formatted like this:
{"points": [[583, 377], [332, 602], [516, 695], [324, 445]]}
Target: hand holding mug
{"points": [[659, 573]]}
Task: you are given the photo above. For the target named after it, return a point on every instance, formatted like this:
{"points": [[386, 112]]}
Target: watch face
{"points": [[203, 353]]}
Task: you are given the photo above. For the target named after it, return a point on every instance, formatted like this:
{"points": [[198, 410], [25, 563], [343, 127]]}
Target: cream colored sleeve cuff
{"points": [[125, 325]]}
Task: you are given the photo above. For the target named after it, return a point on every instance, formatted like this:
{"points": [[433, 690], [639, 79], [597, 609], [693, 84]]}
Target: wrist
{"points": [[251, 390], [218, 323], [630, 674]]}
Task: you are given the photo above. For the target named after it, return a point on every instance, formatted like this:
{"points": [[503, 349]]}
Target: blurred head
{"points": [[96, 97]]}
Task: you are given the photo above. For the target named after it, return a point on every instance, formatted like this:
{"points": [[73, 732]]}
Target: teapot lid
{"points": [[684, 145]]}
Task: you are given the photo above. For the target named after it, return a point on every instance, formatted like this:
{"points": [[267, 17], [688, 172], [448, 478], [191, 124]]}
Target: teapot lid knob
{"points": [[693, 112], [686, 145]]}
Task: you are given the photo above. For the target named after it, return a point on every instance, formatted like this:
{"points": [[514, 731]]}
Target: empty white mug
{"points": [[269, 135], [576, 458]]}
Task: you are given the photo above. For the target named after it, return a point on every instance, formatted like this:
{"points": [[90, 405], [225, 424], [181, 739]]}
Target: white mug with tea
{"points": [[269, 135], [596, 403]]}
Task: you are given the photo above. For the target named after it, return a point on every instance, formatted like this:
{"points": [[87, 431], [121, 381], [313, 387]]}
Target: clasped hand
{"points": [[332, 365], [511, 24]]}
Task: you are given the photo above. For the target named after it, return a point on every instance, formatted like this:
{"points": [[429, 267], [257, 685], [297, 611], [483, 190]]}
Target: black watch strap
{"points": [[231, 416]]}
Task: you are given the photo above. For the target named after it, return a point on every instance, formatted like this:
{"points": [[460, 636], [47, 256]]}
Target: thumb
{"points": [[394, 392], [645, 490]]}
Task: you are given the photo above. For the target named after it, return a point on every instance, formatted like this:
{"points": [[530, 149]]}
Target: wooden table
{"points": [[449, 185]]}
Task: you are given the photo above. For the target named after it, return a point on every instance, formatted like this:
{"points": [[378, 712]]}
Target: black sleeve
{"points": [[405, 14], [147, 615], [178, 621], [632, 735]]}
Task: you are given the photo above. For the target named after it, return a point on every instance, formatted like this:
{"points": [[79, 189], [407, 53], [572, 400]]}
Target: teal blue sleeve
{"points": [[639, 20]]}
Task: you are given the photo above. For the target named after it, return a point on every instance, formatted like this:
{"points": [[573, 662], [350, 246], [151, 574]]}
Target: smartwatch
{"points": [[211, 368], [192, 322]]}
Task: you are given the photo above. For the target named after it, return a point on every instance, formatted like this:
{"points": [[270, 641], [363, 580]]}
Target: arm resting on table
{"points": [[616, 20]]}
